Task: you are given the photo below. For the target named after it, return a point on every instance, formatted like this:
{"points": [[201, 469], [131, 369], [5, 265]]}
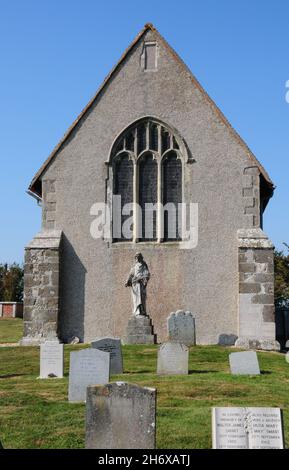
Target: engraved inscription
{"points": [[247, 428]]}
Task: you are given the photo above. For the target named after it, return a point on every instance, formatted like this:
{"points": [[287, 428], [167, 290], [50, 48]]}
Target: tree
{"points": [[281, 264], [11, 282]]}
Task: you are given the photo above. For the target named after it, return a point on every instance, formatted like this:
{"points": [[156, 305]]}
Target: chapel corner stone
{"points": [[41, 288], [256, 329]]}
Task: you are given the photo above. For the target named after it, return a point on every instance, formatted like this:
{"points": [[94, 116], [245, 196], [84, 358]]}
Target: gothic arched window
{"points": [[147, 170]]}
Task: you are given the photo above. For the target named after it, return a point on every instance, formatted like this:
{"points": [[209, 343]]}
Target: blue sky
{"points": [[55, 54]]}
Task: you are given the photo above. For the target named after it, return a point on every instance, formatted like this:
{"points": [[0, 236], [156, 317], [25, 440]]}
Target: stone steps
{"points": [[140, 331]]}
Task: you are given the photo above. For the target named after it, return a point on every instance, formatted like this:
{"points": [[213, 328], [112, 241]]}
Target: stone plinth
{"points": [[140, 331]]}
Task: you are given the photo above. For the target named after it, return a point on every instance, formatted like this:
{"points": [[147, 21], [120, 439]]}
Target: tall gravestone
{"points": [[120, 416], [247, 428], [244, 363], [113, 347], [181, 327], [173, 359], [87, 367], [51, 360]]}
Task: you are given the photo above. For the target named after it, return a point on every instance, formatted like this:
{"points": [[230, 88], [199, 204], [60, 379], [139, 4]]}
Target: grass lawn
{"points": [[11, 330], [36, 414]]}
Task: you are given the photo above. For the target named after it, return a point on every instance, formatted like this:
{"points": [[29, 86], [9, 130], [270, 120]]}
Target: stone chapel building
{"points": [[151, 134]]}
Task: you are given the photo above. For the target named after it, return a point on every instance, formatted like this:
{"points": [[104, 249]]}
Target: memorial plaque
{"points": [[247, 428], [181, 327], [87, 367], [173, 359], [120, 416], [113, 347], [244, 363], [51, 360]]}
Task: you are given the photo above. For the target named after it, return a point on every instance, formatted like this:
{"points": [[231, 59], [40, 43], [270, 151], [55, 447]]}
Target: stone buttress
{"points": [[41, 288], [256, 291]]}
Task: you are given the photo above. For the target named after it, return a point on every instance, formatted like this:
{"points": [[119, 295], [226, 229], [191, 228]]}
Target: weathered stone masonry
{"points": [[256, 291], [41, 291], [251, 196], [49, 204]]}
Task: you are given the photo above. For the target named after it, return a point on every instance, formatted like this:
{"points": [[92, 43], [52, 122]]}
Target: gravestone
{"points": [[247, 428], [173, 359], [51, 360], [87, 367], [120, 416], [244, 363], [181, 327], [113, 346]]}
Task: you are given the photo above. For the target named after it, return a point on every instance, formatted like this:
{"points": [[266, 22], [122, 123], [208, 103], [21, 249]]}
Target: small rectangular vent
{"points": [[149, 56]]}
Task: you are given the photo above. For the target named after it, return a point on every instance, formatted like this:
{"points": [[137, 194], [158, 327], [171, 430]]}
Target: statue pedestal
{"points": [[140, 331]]}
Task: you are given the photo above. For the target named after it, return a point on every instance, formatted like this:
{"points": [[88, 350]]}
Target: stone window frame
{"points": [[182, 153]]}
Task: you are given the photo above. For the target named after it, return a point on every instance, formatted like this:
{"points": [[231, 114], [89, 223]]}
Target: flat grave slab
{"points": [[247, 428]]}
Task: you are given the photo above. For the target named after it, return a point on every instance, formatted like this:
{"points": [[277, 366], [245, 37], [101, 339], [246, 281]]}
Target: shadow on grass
{"points": [[10, 376], [266, 372], [203, 371], [135, 372]]}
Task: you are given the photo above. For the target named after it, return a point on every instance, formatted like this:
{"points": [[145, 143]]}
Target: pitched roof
{"points": [[35, 185]]}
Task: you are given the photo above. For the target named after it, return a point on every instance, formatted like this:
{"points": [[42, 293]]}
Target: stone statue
{"points": [[137, 280]]}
